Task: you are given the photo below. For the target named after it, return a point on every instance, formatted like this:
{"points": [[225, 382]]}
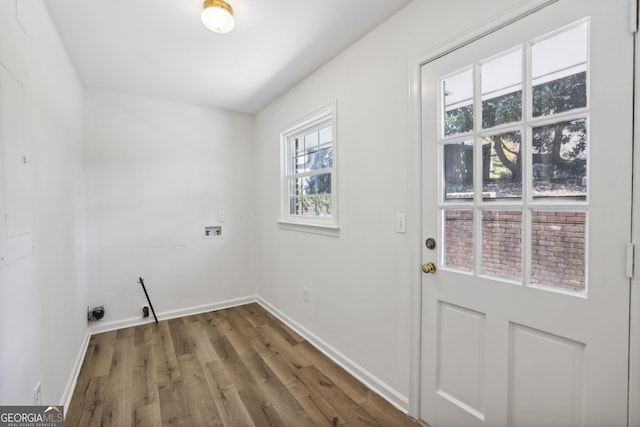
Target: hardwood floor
{"points": [[234, 367]]}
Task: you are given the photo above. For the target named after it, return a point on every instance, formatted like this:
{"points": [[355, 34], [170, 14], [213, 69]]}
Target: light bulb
{"points": [[218, 19]]}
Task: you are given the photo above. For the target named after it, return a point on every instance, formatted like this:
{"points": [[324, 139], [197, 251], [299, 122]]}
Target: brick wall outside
{"points": [[459, 240], [557, 246], [502, 244], [558, 249]]}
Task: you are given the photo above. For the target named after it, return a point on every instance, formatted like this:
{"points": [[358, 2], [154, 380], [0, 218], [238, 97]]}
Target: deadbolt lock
{"points": [[430, 243]]}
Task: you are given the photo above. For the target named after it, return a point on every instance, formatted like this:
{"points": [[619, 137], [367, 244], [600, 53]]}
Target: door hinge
{"points": [[630, 257], [633, 16]]}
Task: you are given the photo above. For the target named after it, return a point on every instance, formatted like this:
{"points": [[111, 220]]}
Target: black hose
{"points": [[148, 300]]}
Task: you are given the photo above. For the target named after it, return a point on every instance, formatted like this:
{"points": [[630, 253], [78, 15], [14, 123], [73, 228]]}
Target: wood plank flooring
{"points": [[234, 367]]}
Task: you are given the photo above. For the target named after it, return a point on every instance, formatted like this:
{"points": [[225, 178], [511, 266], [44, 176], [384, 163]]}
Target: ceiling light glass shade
{"points": [[217, 16]]}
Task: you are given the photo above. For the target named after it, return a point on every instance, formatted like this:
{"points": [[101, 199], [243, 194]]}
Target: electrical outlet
{"points": [[306, 295], [37, 395]]}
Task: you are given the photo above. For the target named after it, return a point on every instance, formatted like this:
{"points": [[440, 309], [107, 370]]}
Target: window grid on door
{"points": [[513, 155]]}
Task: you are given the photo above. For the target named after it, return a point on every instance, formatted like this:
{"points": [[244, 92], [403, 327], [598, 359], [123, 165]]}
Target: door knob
{"points": [[429, 267]]}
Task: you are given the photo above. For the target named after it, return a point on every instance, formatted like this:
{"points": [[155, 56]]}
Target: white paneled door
{"points": [[526, 163]]}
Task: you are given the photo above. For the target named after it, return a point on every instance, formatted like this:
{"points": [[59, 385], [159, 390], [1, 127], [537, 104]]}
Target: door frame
{"points": [[634, 331], [439, 50]]}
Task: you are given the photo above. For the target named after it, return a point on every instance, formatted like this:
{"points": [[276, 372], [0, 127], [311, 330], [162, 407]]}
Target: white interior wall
{"points": [[158, 172], [43, 296], [359, 282]]}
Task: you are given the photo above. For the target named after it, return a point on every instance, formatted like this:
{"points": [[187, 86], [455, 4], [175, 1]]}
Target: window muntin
{"points": [[308, 172]]}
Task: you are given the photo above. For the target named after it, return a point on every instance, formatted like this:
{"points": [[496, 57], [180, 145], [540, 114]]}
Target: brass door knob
{"points": [[429, 267]]}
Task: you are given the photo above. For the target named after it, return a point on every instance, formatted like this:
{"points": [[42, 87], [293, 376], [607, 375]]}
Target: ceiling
{"points": [[159, 48]]}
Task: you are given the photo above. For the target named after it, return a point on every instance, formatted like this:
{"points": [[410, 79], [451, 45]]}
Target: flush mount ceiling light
{"points": [[217, 16]]}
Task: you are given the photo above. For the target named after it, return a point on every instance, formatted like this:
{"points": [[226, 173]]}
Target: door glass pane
{"points": [[458, 237], [559, 72], [559, 159], [501, 166], [458, 103], [458, 171], [502, 244], [558, 249], [501, 82]]}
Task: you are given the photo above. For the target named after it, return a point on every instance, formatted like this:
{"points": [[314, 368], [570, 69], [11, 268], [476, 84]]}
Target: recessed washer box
{"points": [[212, 231]]}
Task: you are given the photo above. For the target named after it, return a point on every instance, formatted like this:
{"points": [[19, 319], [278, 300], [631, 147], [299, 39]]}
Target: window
{"points": [[308, 165]]}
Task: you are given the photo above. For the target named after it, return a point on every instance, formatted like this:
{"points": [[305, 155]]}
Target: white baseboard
{"points": [[73, 379], [367, 378], [99, 327]]}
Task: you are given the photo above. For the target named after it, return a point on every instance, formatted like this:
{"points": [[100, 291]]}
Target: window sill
{"points": [[325, 230]]}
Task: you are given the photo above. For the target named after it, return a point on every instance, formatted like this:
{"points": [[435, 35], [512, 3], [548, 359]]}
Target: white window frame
{"points": [[326, 225]]}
